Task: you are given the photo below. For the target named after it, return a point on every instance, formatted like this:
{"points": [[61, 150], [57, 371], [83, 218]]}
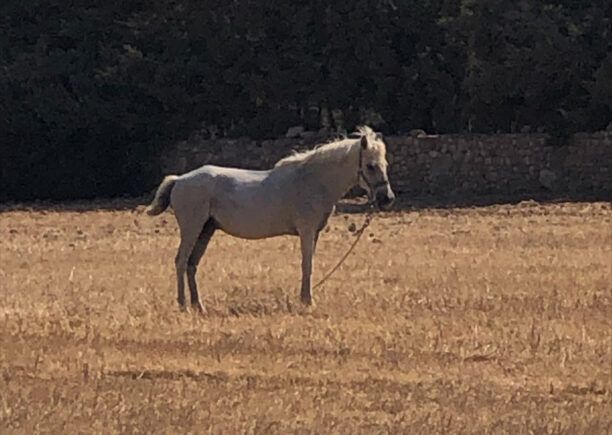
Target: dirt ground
{"points": [[469, 320]]}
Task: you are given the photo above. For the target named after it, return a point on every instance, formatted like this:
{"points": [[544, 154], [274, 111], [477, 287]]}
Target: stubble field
{"points": [[492, 319]]}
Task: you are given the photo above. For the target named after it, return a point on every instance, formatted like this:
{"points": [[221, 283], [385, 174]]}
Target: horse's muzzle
{"points": [[385, 200]]}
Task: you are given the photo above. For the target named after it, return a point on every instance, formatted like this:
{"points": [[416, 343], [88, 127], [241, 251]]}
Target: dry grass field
{"points": [[471, 320]]}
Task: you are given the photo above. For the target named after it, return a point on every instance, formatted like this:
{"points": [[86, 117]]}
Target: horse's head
{"points": [[372, 172]]}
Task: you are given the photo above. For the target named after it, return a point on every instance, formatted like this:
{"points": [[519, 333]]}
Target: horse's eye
{"points": [[370, 167]]}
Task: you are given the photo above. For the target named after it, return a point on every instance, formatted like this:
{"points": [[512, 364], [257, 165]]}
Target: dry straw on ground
{"points": [[492, 319]]}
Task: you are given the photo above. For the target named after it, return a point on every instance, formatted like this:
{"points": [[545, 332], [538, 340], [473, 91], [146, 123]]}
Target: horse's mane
{"points": [[335, 150]]}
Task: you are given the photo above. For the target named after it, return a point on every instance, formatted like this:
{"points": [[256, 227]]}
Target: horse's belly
{"points": [[254, 229], [256, 233], [253, 223]]}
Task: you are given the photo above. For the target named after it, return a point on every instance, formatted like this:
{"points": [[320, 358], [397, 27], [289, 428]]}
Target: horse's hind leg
{"points": [[194, 259], [190, 219], [188, 241]]}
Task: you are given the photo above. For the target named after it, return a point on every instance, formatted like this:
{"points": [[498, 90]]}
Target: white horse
{"points": [[296, 197]]}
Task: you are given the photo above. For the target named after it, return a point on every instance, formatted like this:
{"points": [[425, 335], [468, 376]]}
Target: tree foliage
{"points": [[91, 93]]}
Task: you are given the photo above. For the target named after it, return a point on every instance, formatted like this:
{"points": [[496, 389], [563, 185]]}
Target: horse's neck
{"points": [[339, 176]]}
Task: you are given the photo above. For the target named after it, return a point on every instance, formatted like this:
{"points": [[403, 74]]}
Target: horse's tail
{"points": [[162, 196]]}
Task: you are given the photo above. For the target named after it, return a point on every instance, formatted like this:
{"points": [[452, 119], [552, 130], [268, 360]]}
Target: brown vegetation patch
{"points": [[476, 319]]}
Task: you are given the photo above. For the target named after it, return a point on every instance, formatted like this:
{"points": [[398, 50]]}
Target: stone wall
{"points": [[445, 166]]}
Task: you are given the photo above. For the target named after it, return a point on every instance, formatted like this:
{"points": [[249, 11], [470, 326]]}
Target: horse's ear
{"points": [[379, 136], [364, 142]]}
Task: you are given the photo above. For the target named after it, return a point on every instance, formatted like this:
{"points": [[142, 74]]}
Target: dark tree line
{"points": [[91, 92]]}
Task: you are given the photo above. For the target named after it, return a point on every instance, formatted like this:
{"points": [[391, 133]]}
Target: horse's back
{"points": [[209, 173], [213, 180]]}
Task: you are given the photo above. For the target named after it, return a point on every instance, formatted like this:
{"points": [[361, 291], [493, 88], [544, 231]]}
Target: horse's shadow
{"points": [[239, 303]]}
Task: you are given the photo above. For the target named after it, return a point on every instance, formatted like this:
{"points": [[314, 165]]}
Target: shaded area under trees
{"points": [[91, 93]]}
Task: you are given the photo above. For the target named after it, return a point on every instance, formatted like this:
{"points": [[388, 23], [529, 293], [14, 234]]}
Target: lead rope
{"points": [[358, 235]]}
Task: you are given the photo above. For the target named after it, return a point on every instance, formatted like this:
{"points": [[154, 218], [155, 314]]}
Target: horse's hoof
{"points": [[306, 300], [198, 308], [183, 308]]}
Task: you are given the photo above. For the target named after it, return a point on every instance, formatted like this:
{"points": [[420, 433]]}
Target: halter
{"points": [[361, 175]]}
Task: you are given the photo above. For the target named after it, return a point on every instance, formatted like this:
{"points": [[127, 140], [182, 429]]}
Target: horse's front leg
{"points": [[307, 241]]}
